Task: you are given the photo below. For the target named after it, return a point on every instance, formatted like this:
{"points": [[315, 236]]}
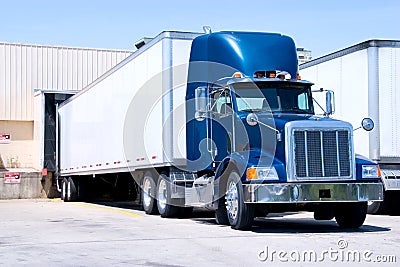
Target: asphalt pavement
{"points": [[53, 233]]}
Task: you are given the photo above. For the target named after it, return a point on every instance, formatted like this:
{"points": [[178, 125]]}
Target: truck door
{"points": [[221, 124]]}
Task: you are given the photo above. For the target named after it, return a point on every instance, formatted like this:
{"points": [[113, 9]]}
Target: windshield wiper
{"points": [[297, 111], [254, 110]]}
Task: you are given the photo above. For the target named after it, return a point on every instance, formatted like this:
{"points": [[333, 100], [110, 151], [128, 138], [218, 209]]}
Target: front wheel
{"points": [[240, 214], [351, 215], [221, 216]]}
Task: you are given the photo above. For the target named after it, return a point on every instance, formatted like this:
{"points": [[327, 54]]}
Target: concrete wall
{"points": [[30, 186]]}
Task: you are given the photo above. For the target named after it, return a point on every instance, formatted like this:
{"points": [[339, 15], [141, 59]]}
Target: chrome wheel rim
{"points": [[63, 189], [232, 201], [69, 190], [162, 194], [146, 192]]}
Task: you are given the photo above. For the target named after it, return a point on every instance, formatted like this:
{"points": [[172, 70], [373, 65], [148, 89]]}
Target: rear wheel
{"points": [[149, 203], [64, 184], [164, 199], [351, 215], [240, 214], [71, 192]]}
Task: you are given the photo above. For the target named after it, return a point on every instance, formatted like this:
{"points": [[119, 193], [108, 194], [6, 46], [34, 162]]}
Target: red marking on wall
{"points": [[12, 178], [5, 138]]}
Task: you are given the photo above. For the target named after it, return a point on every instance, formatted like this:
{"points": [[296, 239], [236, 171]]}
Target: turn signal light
{"points": [[251, 173]]}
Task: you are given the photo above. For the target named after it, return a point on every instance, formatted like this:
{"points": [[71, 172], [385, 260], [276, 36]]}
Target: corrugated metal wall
{"points": [[24, 68]]}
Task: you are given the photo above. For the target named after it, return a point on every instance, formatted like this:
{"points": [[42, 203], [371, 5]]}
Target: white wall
{"points": [[24, 68]]}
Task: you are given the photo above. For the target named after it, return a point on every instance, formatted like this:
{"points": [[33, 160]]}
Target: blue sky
{"points": [[321, 26]]}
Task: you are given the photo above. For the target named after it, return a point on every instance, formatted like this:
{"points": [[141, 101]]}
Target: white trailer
{"points": [[366, 81], [97, 118]]}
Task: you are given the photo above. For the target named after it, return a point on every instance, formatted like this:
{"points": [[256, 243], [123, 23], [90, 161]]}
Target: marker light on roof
{"points": [[283, 75], [237, 75]]}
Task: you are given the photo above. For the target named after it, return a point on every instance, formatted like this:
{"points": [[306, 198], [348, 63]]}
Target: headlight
{"points": [[371, 171], [261, 173]]}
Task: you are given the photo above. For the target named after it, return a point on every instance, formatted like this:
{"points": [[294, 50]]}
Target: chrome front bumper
{"points": [[312, 192]]}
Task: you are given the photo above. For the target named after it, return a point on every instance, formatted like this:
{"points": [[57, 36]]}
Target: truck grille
{"points": [[322, 153]]}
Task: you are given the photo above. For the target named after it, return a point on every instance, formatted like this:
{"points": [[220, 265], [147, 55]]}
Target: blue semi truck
{"points": [[216, 120]]}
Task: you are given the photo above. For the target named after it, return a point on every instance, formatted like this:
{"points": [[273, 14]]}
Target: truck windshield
{"points": [[276, 97]]}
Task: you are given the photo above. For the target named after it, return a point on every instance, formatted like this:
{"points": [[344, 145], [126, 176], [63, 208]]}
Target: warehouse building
{"points": [[33, 79]]}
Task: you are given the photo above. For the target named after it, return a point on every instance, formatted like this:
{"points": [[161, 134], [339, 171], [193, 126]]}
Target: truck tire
{"points": [[240, 214], [375, 207], [221, 215], [351, 215], [71, 193], [149, 203], [164, 206], [64, 184]]}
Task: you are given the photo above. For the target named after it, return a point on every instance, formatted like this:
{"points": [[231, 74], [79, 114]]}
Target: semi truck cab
{"points": [[258, 136]]}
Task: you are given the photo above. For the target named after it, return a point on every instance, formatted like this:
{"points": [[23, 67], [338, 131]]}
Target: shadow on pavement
{"points": [[273, 223], [301, 225], [277, 223]]}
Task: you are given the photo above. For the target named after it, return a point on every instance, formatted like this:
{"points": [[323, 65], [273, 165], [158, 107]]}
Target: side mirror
{"points": [[330, 102], [201, 101], [367, 124]]}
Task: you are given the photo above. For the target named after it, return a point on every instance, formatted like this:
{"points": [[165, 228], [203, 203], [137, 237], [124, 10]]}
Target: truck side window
{"points": [[222, 103], [302, 101]]}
